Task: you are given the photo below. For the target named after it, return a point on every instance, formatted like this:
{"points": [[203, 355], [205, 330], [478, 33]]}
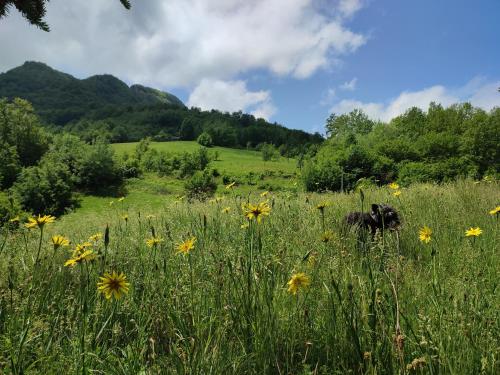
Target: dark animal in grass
{"points": [[380, 217]]}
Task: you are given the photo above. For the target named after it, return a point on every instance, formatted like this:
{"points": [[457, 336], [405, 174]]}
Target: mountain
{"points": [[60, 98], [104, 106]]}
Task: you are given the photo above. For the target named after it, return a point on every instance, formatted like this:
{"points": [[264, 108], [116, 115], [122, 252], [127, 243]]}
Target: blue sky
{"points": [[290, 61]]}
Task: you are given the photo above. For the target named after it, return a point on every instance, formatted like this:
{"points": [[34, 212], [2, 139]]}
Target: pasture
{"points": [[395, 305]]}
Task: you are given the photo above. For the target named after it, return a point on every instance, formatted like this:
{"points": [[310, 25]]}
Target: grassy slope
{"points": [[207, 314], [231, 161], [151, 191]]}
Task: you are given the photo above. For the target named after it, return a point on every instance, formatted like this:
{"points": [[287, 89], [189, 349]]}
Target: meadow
{"points": [[213, 291]]}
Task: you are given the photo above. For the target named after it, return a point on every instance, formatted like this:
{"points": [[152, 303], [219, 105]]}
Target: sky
{"points": [[289, 61]]}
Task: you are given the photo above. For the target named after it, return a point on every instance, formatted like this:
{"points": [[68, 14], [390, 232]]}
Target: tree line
{"points": [[441, 144]]}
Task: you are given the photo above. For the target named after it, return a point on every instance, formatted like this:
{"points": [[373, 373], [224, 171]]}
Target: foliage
{"points": [[92, 167], [45, 189], [268, 151], [9, 210], [34, 10], [20, 128], [439, 145], [201, 185], [205, 139]]}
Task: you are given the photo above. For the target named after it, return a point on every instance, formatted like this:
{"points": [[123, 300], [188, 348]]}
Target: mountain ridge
{"points": [[50, 90]]}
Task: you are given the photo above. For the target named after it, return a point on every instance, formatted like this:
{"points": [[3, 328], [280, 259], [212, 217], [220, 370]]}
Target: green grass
{"points": [[231, 161], [225, 308]]}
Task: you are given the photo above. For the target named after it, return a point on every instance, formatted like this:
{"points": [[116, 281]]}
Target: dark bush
{"points": [[200, 186], [45, 189], [205, 139]]}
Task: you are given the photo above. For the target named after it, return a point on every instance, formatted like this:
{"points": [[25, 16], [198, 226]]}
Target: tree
{"points": [[354, 122], [34, 10]]}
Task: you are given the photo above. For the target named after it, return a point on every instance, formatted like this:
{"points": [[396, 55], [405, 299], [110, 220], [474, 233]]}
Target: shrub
{"points": [[9, 209], [269, 152], [205, 139], [97, 170], [45, 189], [9, 165], [201, 185], [129, 168]]}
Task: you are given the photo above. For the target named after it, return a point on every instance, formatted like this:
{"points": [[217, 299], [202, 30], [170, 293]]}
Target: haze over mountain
{"points": [[60, 98]]}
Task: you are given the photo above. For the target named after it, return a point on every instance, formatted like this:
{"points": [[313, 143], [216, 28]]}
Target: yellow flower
{"points": [[425, 234], [298, 281], [264, 194], [393, 186], [39, 221], [113, 285], [245, 225], [15, 219], [154, 241], [226, 210], [327, 236], [125, 217], [495, 211], [231, 185], [86, 256], [121, 199], [257, 212], [397, 193], [186, 246], [59, 241], [321, 206], [80, 248], [473, 232], [95, 237]]}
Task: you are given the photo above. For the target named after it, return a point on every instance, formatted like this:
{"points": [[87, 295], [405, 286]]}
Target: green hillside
{"points": [[59, 97], [104, 106], [233, 161]]}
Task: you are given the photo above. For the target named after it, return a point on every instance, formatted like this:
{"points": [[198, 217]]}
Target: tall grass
{"points": [[389, 306]]}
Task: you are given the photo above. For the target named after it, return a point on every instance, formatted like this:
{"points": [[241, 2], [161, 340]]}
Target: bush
{"points": [[201, 185], [197, 161], [129, 168], [269, 152], [205, 139], [97, 170], [9, 209], [45, 189], [9, 165]]}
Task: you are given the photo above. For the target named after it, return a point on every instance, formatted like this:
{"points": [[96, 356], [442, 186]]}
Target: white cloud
{"points": [[350, 85], [177, 43], [231, 96], [349, 7], [477, 92]]}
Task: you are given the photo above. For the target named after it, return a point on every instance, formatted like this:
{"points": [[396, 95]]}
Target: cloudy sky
{"points": [[289, 61]]}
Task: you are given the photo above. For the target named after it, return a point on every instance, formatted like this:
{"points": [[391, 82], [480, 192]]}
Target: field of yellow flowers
{"points": [[260, 284]]}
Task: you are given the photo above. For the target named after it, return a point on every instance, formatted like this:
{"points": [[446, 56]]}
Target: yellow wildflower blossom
{"points": [[113, 285], [39, 221], [473, 232], [298, 281], [187, 246], [425, 234]]}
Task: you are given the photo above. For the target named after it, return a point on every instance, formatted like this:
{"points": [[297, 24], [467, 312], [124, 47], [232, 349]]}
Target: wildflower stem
{"points": [[39, 246]]}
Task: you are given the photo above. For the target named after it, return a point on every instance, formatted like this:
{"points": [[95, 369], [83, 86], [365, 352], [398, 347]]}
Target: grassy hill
{"points": [[236, 162], [150, 191]]}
